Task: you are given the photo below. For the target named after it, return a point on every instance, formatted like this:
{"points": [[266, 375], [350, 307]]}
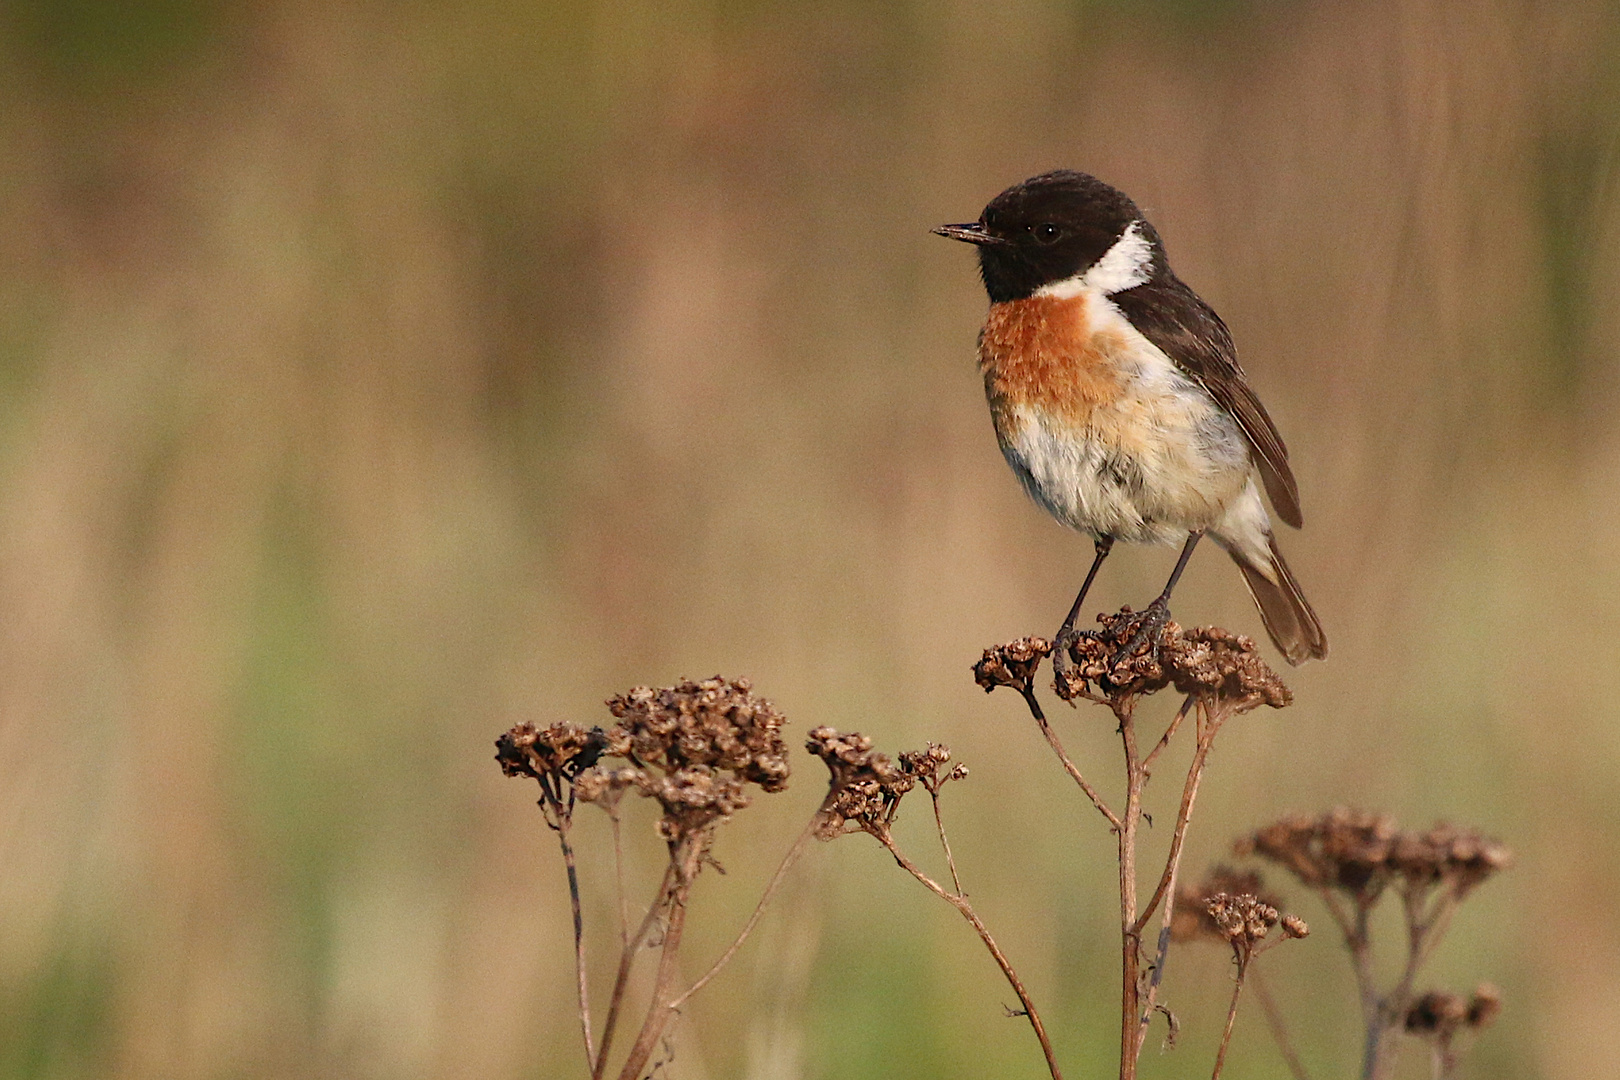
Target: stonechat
{"points": [[1118, 400]]}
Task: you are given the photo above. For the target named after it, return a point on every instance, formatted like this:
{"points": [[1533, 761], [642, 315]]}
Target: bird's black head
{"points": [[1055, 226]]}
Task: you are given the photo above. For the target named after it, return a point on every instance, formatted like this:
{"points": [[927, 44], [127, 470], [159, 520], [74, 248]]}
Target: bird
{"points": [[1119, 403]]}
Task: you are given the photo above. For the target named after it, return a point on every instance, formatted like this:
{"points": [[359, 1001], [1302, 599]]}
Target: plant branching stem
{"points": [[1028, 691], [950, 860], [1279, 1029], [626, 961], [561, 819], [1231, 1019], [1130, 934], [1209, 724], [684, 859], [787, 862], [958, 901]]}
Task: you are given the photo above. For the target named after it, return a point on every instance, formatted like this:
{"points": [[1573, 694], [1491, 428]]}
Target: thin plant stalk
{"points": [[626, 961], [684, 861], [1209, 724], [950, 860], [1279, 1029], [561, 817], [958, 901], [786, 864], [1028, 692], [1231, 1019], [1130, 933]]}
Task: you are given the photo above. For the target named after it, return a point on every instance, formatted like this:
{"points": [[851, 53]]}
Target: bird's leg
{"points": [[1152, 620], [1061, 661]]}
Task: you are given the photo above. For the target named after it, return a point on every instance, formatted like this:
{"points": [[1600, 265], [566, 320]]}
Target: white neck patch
{"points": [[1123, 266]]}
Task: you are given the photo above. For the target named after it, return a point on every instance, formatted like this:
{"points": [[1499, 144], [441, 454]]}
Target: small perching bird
{"points": [[1118, 400]]}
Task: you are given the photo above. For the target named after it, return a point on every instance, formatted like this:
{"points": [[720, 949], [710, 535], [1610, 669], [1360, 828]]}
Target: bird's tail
{"points": [[1293, 626]]}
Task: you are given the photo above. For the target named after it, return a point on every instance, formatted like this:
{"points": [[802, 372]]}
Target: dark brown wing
{"points": [[1188, 331]]}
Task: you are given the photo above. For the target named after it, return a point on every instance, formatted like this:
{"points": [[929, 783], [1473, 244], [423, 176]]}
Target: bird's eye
{"points": [[1046, 232]]}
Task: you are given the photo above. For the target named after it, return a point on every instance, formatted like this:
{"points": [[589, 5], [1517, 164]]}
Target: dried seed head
{"points": [[1012, 664], [1295, 927], [1244, 919], [864, 786], [1192, 920], [1215, 664], [1436, 1013], [561, 750], [1446, 853], [1361, 853], [717, 723]]}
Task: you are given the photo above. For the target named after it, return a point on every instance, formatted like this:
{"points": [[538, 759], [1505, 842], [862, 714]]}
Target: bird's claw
{"points": [[1149, 624]]}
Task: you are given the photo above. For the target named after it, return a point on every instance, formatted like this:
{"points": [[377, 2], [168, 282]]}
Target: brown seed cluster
{"points": [[865, 787], [1243, 920], [1012, 664], [1441, 1015], [1360, 854], [1192, 920], [717, 723], [692, 747], [1207, 660], [561, 750]]}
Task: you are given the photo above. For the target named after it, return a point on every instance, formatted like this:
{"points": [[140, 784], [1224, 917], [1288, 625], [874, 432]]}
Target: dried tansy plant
{"points": [[1352, 860], [695, 749], [864, 790], [700, 750], [1221, 675]]}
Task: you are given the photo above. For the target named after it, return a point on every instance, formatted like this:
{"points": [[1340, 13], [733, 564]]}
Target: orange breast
{"points": [[1047, 353]]}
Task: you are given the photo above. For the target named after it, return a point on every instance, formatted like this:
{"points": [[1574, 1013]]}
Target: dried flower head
{"points": [[1012, 664], [561, 750], [1361, 853], [718, 723], [1244, 919], [1446, 853], [864, 786], [1192, 920], [1484, 1006], [1213, 663]]}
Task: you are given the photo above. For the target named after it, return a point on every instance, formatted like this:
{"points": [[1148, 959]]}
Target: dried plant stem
{"points": [[787, 862], [618, 877], [1130, 932], [950, 860], [958, 901], [1279, 1029], [1028, 691], [626, 961], [560, 816], [684, 859], [1209, 725], [1231, 1018], [1169, 733]]}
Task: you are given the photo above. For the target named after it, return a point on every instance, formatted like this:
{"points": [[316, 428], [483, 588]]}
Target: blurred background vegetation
{"points": [[379, 375]]}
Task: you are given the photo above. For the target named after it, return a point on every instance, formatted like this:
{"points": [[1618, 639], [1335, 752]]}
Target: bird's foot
{"points": [[1066, 677], [1147, 626]]}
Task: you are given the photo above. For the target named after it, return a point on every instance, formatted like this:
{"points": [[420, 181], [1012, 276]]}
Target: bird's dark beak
{"points": [[971, 233]]}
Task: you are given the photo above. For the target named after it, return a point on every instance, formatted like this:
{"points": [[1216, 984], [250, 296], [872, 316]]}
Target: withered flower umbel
{"points": [[1193, 921], [1206, 660], [1013, 664], [864, 786], [717, 723]]}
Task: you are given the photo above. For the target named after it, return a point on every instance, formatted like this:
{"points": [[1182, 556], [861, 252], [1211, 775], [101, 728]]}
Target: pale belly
{"points": [[1149, 467]]}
